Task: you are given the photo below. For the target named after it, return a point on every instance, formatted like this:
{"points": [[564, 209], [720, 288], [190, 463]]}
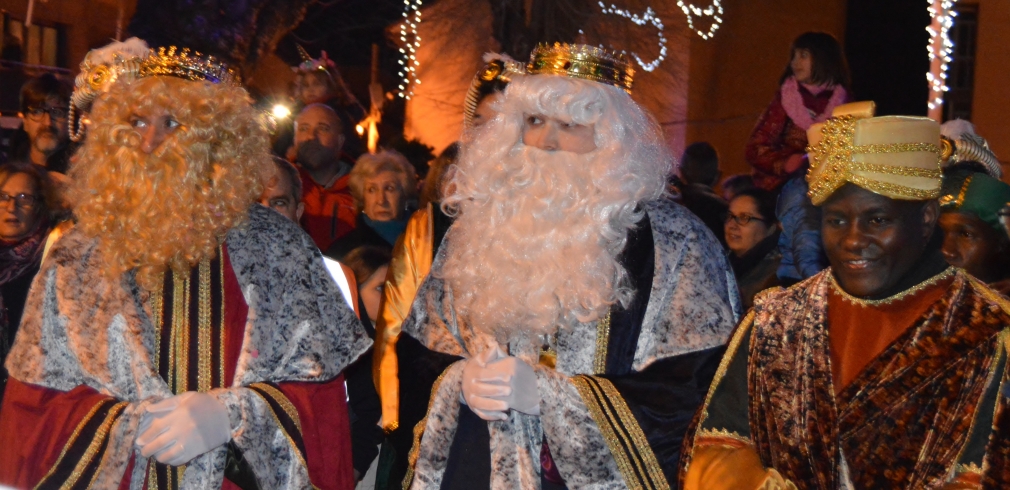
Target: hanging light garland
{"points": [[940, 48], [411, 43], [649, 17], [714, 11]]}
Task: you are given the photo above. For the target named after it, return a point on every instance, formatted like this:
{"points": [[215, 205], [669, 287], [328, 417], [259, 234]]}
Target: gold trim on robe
{"points": [[412, 257], [625, 438]]}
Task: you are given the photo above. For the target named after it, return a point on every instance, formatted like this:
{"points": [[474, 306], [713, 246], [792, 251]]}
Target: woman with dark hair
{"points": [[752, 235], [28, 207], [814, 82]]}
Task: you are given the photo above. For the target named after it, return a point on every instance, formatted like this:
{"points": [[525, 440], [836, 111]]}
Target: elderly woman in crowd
{"points": [[752, 235], [28, 207], [383, 185]]}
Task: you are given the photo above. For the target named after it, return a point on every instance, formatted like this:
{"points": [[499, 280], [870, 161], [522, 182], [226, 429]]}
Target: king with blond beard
{"points": [[179, 335], [573, 317]]}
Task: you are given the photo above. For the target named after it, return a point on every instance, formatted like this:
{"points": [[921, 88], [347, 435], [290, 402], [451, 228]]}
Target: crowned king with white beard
{"points": [[574, 316]]}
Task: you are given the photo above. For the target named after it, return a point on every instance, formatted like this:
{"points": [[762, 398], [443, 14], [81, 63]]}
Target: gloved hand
{"points": [[178, 429], [479, 386], [522, 394]]}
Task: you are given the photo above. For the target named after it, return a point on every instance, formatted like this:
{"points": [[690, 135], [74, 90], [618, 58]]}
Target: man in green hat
{"points": [[973, 238]]}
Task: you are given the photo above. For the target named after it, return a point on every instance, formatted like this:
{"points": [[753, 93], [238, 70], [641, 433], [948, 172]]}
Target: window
{"points": [[961, 73], [38, 44]]}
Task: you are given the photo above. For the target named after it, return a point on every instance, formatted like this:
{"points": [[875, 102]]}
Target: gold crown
{"points": [[103, 66], [188, 65], [500, 70], [582, 61]]}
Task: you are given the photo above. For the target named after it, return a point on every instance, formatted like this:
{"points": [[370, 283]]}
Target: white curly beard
{"points": [[539, 252], [535, 244]]}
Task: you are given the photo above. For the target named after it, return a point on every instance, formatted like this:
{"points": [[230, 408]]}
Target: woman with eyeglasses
{"points": [[27, 202], [752, 235]]}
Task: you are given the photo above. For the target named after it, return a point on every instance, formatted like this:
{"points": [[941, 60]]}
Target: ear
{"points": [[930, 216], [341, 139], [299, 211]]}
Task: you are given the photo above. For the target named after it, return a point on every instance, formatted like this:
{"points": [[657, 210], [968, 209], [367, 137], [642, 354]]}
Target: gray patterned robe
{"points": [[81, 329], [693, 306]]}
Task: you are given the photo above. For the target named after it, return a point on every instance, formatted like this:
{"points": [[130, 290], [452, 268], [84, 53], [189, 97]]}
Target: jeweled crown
{"points": [[500, 69], [582, 61], [188, 65]]}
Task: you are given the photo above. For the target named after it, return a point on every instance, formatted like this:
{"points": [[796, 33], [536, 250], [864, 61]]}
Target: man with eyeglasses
{"points": [[45, 142]]}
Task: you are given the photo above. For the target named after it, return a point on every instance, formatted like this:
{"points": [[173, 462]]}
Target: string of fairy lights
{"points": [[411, 41], [649, 17], [940, 48], [714, 11]]}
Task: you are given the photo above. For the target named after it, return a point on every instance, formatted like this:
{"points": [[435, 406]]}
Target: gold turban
{"points": [[894, 156]]}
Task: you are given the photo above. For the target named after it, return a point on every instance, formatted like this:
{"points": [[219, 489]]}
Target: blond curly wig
{"points": [[172, 207]]}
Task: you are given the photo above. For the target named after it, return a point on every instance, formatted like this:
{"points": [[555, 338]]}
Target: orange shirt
{"points": [[859, 333], [329, 212]]}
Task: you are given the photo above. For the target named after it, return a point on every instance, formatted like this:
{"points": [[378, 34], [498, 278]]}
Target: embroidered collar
{"points": [[890, 299]]}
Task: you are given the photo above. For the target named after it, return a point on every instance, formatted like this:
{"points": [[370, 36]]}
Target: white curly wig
{"points": [[538, 233]]}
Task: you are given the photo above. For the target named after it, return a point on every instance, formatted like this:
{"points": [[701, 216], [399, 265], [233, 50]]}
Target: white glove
{"points": [[479, 386], [522, 394], [178, 429]]}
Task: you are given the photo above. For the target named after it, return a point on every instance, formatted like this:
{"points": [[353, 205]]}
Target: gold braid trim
{"points": [[714, 435], [832, 164], [950, 271], [70, 442], [949, 199], [205, 368], [889, 189], [415, 448], [898, 148], [880, 168], [221, 324], [974, 420], [968, 468], [289, 409], [158, 317], [727, 358], [96, 443], [281, 400], [602, 342], [620, 429], [152, 475], [180, 334]]}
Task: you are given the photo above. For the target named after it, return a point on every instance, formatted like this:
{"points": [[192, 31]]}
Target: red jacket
{"points": [[329, 212], [776, 138]]}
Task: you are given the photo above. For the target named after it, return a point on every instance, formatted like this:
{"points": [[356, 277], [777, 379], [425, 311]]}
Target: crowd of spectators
{"points": [[356, 206]]}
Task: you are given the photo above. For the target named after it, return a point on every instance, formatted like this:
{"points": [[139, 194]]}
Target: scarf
{"points": [[744, 264], [388, 230], [801, 115], [16, 260]]}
